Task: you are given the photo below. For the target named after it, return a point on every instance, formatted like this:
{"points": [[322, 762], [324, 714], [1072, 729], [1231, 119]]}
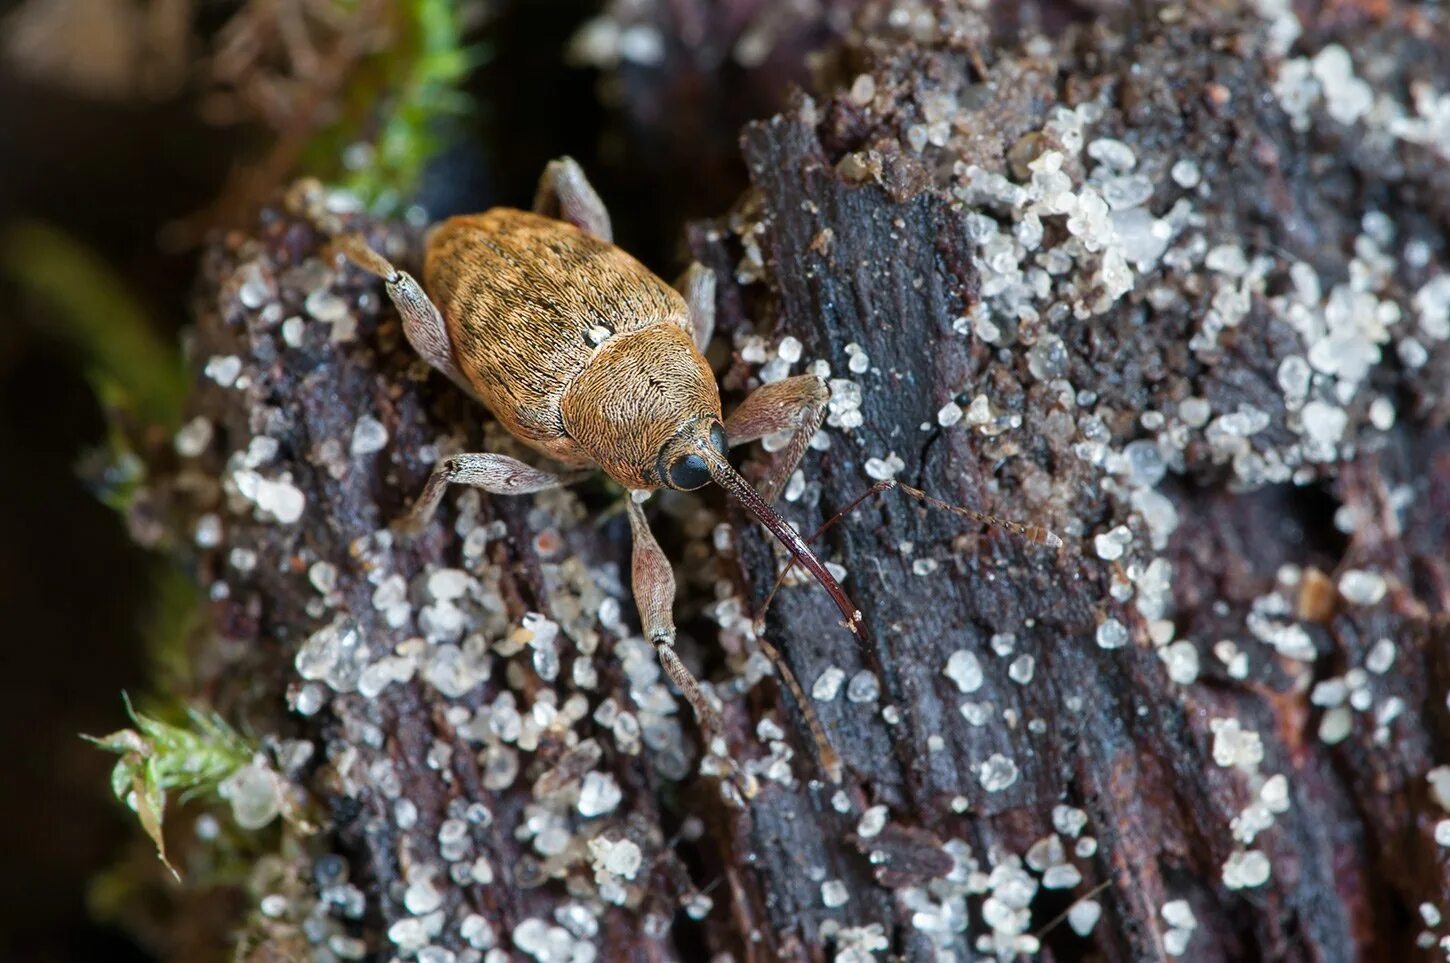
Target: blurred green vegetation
{"points": [[138, 378], [130, 367], [418, 81]]}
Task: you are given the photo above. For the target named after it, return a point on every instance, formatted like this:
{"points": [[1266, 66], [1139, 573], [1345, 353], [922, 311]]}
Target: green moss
{"points": [[173, 617], [398, 110], [138, 379], [192, 758], [395, 115]]}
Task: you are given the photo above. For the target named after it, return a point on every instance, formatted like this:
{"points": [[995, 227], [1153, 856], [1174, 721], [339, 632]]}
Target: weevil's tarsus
{"points": [[566, 194], [830, 760], [974, 55], [307, 198], [359, 252]]}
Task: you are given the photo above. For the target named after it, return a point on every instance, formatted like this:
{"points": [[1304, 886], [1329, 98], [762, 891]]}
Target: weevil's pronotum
{"points": [[592, 360]]}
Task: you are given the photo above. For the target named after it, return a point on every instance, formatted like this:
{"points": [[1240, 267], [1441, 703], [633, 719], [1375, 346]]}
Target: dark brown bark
{"points": [[863, 243], [886, 265]]}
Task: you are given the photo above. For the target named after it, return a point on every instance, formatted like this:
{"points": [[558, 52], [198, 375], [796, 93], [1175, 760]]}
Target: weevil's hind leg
{"points": [[423, 325], [697, 285], [495, 474], [797, 403], [565, 193], [654, 594]]}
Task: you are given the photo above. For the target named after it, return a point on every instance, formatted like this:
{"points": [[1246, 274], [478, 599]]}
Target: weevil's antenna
{"points": [[1034, 534], [875, 489], [733, 482], [729, 479]]}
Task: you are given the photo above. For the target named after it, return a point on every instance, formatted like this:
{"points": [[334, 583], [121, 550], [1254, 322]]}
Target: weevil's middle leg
{"points": [[797, 403], [697, 285], [830, 759], [495, 474], [654, 595], [565, 193]]}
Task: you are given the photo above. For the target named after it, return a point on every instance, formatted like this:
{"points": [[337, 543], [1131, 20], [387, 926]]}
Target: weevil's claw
{"points": [[736, 785], [407, 528], [302, 196]]}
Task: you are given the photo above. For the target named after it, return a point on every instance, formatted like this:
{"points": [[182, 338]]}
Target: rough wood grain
{"points": [[860, 231]]}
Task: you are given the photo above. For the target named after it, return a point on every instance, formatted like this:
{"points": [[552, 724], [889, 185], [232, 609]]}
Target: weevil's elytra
{"points": [[520, 296]]}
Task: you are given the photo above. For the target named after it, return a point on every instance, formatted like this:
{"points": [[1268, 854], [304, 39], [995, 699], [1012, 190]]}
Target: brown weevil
{"points": [[586, 356]]}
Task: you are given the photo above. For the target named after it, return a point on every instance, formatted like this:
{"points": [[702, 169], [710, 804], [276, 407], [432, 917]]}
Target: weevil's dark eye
{"points": [[689, 473]]}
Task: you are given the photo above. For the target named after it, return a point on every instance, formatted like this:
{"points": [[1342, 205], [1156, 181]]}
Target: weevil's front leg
{"points": [[565, 193], [495, 474], [654, 595], [697, 285], [797, 403]]}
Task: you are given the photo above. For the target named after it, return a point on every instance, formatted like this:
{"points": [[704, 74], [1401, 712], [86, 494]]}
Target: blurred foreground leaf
{"points": [[132, 370]]}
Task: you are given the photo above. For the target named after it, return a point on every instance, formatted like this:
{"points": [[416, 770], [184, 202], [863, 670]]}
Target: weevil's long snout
{"points": [[731, 480]]}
